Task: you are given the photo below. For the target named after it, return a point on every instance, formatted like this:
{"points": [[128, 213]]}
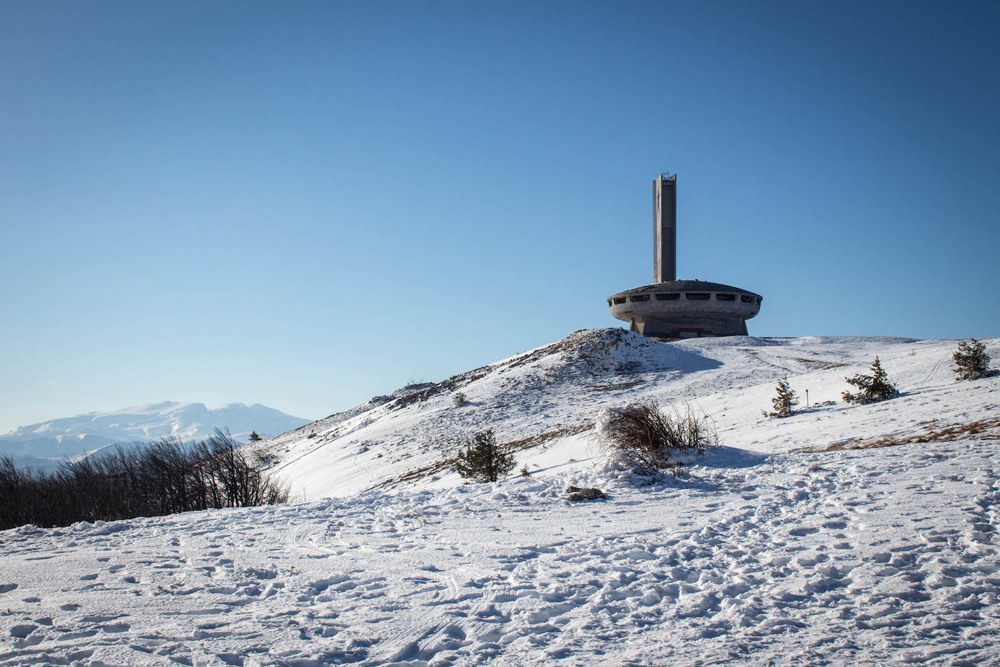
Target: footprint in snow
{"points": [[115, 628]]}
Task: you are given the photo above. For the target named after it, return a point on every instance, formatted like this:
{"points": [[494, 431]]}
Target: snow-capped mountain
{"points": [[46, 443]]}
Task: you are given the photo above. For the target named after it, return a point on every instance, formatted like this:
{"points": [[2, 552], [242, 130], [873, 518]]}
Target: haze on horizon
{"points": [[308, 204]]}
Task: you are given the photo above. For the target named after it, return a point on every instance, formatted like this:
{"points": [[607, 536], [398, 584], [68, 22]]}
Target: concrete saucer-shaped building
{"points": [[671, 308]]}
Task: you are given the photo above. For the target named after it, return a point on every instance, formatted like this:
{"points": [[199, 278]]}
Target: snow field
{"points": [[877, 556]]}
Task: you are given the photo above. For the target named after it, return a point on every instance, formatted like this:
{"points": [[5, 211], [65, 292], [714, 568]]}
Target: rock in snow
{"points": [[880, 549], [577, 494]]}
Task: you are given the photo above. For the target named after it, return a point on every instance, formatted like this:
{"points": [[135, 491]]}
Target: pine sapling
{"points": [[786, 400], [971, 360], [872, 388], [483, 460]]}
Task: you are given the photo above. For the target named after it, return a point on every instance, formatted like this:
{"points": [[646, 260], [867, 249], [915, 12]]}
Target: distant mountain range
{"points": [[45, 445]]}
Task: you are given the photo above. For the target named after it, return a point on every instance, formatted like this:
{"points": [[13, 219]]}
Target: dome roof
{"points": [[684, 286]]}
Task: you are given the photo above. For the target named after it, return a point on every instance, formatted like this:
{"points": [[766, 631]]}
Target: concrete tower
{"points": [[671, 308], [664, 229]]}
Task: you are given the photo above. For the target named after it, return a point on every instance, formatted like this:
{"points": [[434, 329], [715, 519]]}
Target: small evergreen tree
{"points": [[971, 360], [482, 460], [254, 437], [786, 400], [872, 388]]}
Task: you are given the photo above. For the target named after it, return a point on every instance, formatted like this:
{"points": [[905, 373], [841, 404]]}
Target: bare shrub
{"points": [[158, 478], [643, 438], [459, 399], [263, 456], [12, 491]]}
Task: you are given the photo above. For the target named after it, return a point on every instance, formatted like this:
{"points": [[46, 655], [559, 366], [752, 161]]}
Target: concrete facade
{"points": [[671, 308], [665, 229], [686, 309]]}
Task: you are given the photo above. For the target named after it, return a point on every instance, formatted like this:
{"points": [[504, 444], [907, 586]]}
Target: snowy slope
{"points": [[48, 442], [763, 554], [547, 398]]}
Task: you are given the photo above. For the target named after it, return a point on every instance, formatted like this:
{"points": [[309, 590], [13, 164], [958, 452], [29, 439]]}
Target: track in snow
{"points": [[864, 557]]}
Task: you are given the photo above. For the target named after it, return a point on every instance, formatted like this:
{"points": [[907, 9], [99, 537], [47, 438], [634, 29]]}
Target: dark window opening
{"points": [[725, 297], [610, 302], [668, 297], [697, 296], [639, 297], [620, 299], [746, 298]]}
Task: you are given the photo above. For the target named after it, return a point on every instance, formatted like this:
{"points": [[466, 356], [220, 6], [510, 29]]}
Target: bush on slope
{"points": [[482, 460], [642, 438], [784, 403], [872, 388], [971, 360]]}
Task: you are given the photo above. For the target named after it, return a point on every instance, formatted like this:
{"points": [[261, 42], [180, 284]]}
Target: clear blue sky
{"points": [[305, 204]]}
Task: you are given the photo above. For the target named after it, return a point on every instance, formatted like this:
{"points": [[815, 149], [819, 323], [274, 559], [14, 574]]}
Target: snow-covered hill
{"points": [[545, 400], [879, 548], [44, 444]]}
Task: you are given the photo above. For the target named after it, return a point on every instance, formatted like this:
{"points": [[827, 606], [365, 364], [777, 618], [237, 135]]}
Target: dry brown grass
{"points": [[817, 364], [621, 386], [984, 429]]}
